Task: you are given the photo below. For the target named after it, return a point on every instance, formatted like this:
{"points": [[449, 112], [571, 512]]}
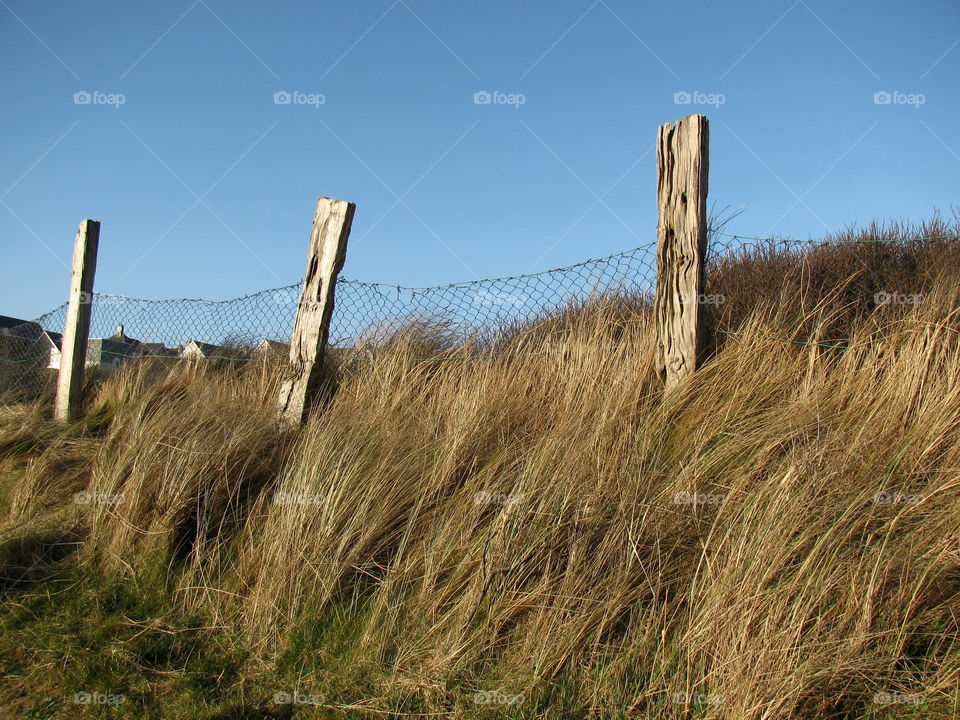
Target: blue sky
{"points": [[205, 185]]}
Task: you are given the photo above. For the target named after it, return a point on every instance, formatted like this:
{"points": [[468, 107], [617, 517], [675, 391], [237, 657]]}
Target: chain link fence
{"points": [[822, 291], [258, 326]]}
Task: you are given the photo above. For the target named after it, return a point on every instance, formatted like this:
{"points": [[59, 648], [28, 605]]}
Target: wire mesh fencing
{"points": [[821, 291], [258, 326]]}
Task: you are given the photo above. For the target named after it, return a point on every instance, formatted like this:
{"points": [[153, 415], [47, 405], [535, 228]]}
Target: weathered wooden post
{"points": [[325, 257], [73, 347], [682, 154]]}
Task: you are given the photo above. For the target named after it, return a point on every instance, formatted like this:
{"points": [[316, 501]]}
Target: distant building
{"points": [[27, 343], [272, 348], [21, 346], [51, 346], [15, 327], [196, 350], [156, 350], [112, 352], [106, 353], [22, 341]]}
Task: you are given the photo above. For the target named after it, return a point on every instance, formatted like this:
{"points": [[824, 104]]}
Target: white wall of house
{"points": [[108, 363], [191, 351]]}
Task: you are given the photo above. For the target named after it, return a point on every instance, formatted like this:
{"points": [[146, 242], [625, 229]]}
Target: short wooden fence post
{"points": [[73, 347]]}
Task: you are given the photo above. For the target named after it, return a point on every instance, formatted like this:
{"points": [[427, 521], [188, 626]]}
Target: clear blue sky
{"points": [[205, 186]]}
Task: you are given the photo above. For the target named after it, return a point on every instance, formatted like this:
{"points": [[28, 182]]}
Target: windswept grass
{"points": [[537, 534]]}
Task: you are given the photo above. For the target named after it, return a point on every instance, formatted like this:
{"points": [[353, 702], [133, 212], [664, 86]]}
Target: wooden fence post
{"points": [[682, 159], [325, 256], [76, 329]]}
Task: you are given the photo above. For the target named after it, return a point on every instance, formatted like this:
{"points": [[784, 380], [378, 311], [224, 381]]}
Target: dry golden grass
{"points": [[778, 538]]}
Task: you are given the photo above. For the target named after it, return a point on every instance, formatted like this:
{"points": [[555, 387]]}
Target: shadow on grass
{"points": [[35, 558]]}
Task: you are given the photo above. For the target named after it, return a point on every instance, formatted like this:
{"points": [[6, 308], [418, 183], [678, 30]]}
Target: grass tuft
{"points": [[540, 533]]}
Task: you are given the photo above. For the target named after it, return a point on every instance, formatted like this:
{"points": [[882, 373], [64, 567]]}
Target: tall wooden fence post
{"points": [[325, 256], [682, 159], [76, 329]]}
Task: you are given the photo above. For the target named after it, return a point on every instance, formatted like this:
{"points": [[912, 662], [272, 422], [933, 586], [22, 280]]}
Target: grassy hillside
{"points": [[540, 533]]}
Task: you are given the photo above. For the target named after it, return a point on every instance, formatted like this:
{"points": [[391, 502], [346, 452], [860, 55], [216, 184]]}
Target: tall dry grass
{"points": [[778, 538]]}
